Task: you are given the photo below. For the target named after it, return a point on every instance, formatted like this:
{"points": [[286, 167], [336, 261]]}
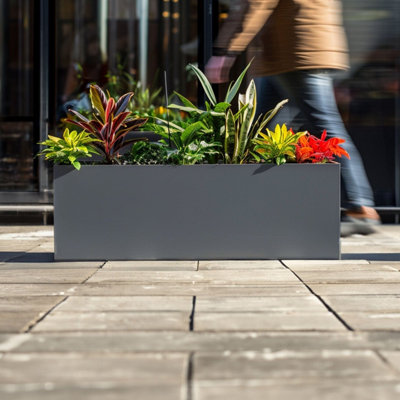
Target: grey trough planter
{"points": [[253, 211]]}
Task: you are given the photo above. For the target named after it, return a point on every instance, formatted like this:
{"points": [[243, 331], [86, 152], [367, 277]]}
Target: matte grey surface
{"points": [[197, 212]]}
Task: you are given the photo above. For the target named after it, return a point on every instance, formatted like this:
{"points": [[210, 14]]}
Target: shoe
{"points": [[360, 221]]}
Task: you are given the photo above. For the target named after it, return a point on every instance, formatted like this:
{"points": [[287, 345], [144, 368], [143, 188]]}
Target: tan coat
{"points": [[286, 35]]}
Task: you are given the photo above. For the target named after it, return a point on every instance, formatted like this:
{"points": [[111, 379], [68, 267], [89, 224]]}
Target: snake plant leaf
{"points": [[231, 93], [250, 99], [230, 131], [205, 84]]}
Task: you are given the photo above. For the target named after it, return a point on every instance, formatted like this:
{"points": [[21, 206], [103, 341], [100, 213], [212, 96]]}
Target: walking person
{"points": [[298, 44]]}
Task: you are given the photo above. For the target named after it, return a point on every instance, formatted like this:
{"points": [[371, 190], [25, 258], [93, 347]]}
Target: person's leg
{"points": [[313, 93]]}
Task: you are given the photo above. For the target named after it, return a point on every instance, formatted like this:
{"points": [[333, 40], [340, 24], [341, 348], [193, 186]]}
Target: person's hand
{"points": [[218, 67]]}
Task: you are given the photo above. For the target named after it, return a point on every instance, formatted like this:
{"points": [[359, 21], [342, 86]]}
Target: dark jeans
{"points": [[312, 94]]}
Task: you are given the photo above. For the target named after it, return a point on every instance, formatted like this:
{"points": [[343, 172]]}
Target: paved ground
{"points": [[238, 330]]}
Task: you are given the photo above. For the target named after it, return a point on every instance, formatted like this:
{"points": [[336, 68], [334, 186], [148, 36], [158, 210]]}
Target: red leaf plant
{"points": [[110, 124], [319, 150]]}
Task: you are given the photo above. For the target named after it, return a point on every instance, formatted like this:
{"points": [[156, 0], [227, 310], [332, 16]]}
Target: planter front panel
{"points": [[290, 211]]}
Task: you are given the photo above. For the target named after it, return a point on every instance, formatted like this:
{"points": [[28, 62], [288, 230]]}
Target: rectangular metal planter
{"points": [[197, 212]]}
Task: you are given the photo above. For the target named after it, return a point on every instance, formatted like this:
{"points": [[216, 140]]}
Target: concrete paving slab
{"points": [[366, 303], [350, 277], [367, 268], [151, 265], [214, 277], [382, 340], [126, 303], [372, 321], [36, 289], [107, 391], [45, 275], [113, 321], [355, 288], [189, 288], [179, 341], [15, 322], [263, 367], [321, 390], [393, 357], [307, 304], [250, 321], [239, 264], [166, 369], [29, 303]]}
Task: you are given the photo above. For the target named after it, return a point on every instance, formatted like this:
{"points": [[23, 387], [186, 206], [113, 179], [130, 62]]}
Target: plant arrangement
{"points": [[216, 134]]}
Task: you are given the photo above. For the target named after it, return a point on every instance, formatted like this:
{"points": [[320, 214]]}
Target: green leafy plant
{"points": [[110, 123], [189, 142], [277, 146], [147, 153], [68, 149]]}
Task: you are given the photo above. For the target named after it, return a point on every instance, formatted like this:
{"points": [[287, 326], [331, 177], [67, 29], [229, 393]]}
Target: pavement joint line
{"points": [[101, 266], [327, 306], [386, 362], [191, 318], [36, 321], [189, 377]]}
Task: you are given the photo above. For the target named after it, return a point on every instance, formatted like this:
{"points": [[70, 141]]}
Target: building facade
{"points": [[50, 50]]}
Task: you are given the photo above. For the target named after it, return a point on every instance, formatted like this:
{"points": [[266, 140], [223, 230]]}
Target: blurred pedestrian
{"points": [[298, 44]]}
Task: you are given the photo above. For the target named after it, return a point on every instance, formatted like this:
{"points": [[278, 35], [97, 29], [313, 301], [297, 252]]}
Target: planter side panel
{"points": [[197, 212]]}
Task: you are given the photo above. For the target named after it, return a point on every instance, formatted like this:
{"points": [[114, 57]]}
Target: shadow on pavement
{"points": [[372, 256]]}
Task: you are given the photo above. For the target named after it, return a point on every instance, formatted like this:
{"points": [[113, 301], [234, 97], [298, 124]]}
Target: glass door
{"points": [[17, 167]]}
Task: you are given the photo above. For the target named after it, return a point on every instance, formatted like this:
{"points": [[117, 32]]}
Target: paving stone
{"points": [[321, 390], [45, 275], [286, 365], [250, 321], [186, 288], [36, 289], [367, 268], [372, 321], [382, 340], [355, 288], [214, 277], [107, 391], [350, 277], [387, 303], [113, 321], [151, 265], [165, 369], [178, 341], [259, 304], [240, 264], [127, 303], [29, 303], [13, 322], [393, 357]]}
